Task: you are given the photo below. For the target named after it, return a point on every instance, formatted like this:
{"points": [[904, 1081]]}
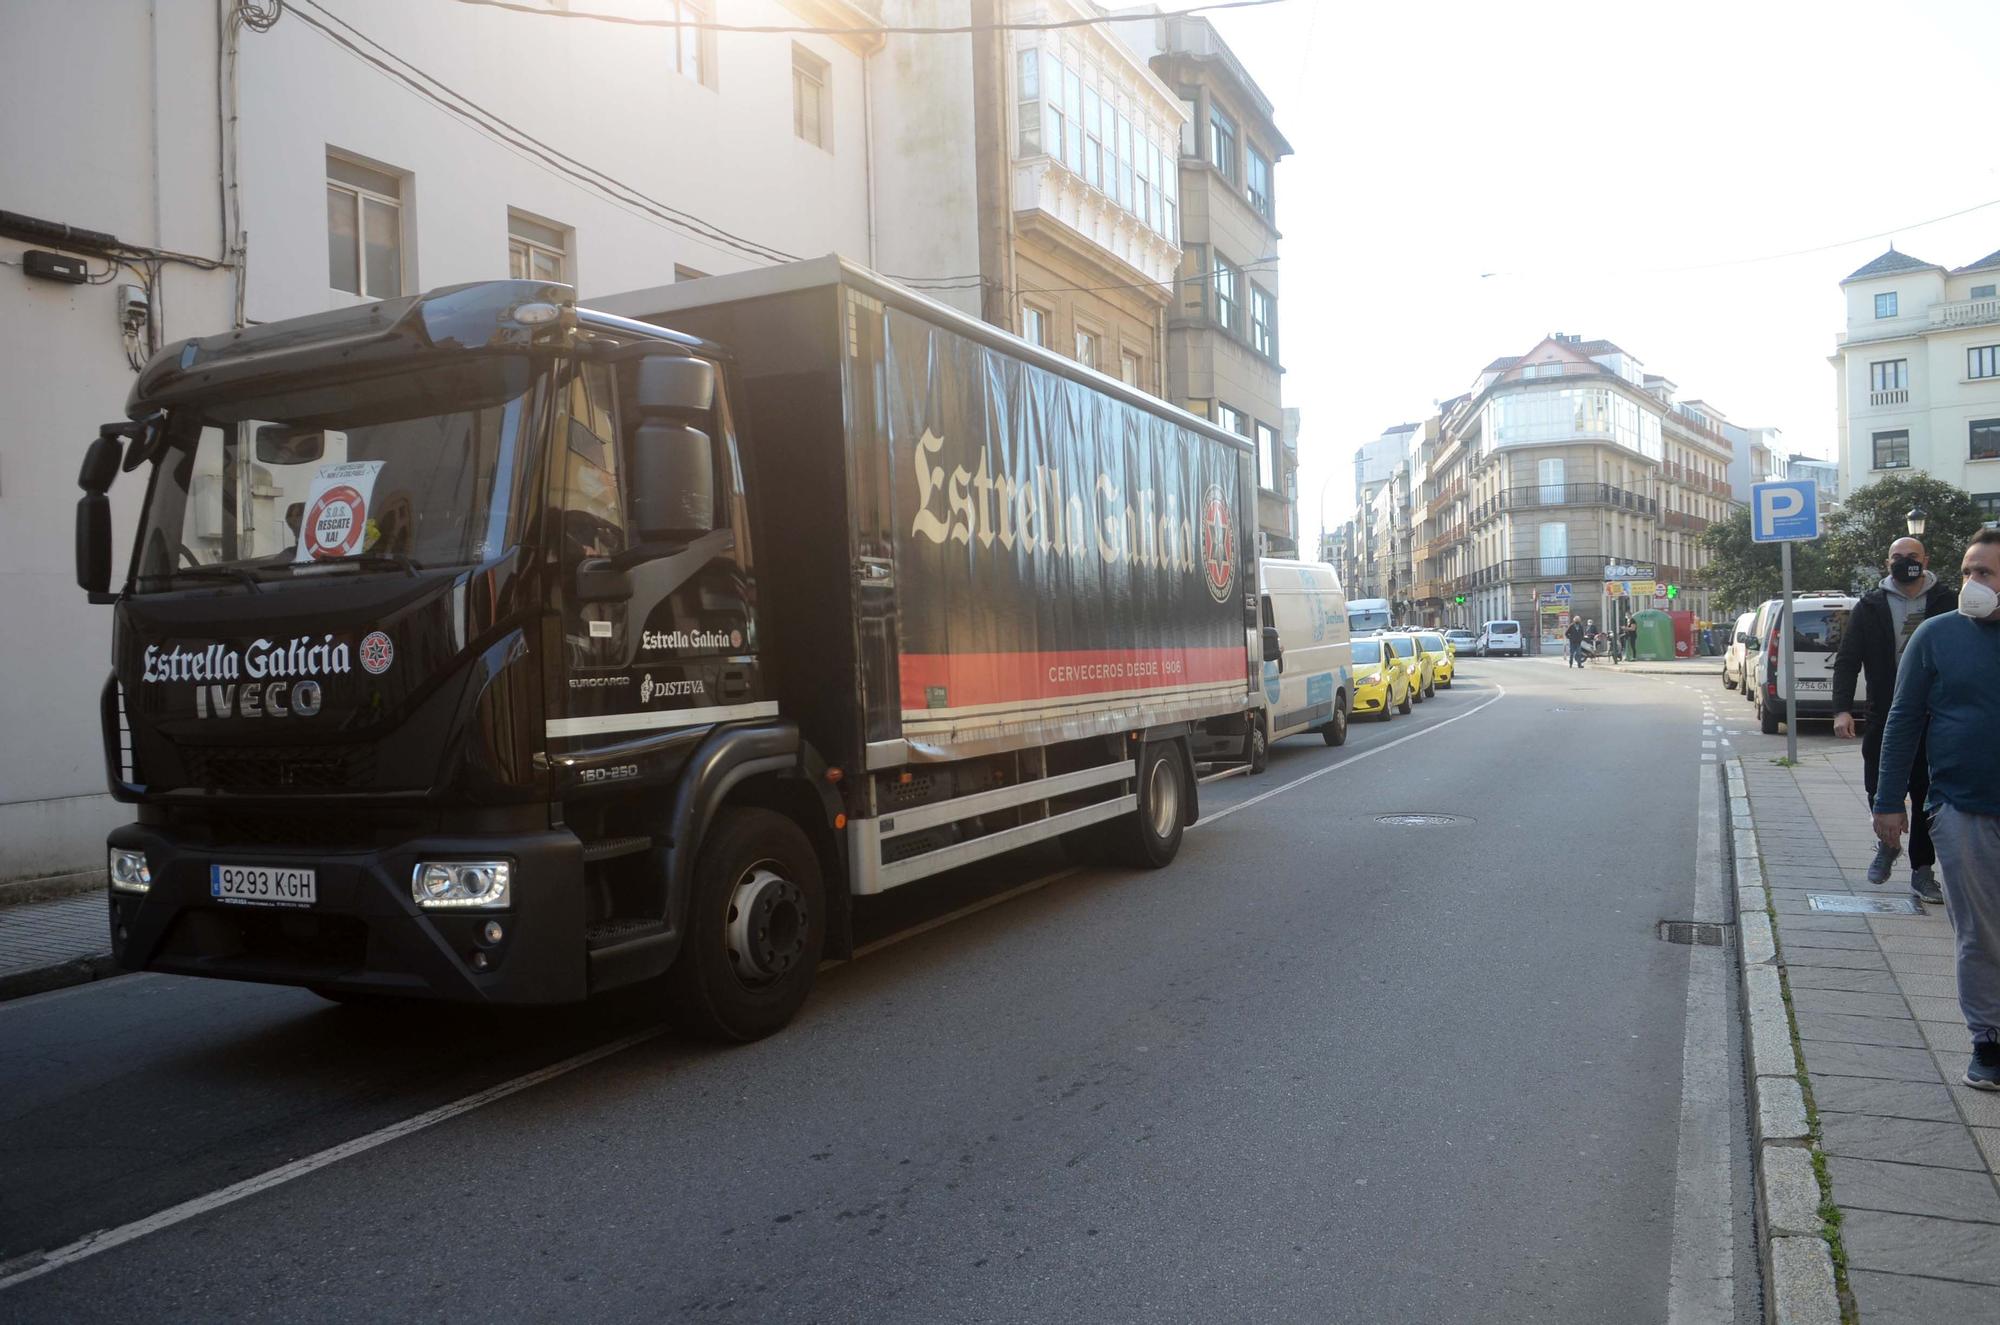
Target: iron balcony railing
{"points": [[1589, 569], [1540, 495]]}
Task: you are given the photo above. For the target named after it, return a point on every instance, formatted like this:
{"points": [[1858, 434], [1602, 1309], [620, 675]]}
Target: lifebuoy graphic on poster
{"points": [[337, 507]]}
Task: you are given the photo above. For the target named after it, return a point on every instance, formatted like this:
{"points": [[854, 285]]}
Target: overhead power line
{"points": [[865, 30]]}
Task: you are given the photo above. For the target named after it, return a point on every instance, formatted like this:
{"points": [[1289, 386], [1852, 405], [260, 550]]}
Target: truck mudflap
{"points": [[364, 933]]}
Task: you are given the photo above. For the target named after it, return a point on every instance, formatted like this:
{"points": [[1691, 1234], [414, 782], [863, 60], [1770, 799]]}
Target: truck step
{"points": [[611, 848], [607, 933]]}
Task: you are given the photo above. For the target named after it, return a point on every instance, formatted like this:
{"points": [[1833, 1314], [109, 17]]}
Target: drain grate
{"points": [[1706, 933], [1420, 820]]}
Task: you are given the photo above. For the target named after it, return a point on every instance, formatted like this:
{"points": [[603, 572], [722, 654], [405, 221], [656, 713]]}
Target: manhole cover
{"points": [[1849, 904], [1707, 934], [1419, 820]]}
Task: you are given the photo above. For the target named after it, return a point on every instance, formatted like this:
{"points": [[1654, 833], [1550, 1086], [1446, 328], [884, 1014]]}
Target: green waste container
{"points": [[1655, 641]]}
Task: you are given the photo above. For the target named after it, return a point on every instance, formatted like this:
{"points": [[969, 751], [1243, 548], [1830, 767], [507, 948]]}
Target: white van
{"points": [[1736, 658], [1818, 621], [1308, 668], [1502, 637], [1367, 616]]}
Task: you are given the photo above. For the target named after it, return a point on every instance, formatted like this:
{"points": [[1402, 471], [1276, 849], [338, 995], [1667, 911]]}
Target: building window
{"points": [[1028, 102], [1263, 322], [1988, 506], [1190, 128], [364, 229], [1034, 325], [1554, 548], [693, 54], [812, 119], [1086, 348], [1257, 183], [1131, 369], [1889, 375], [1228, 293], [1885, 304], [1230, 419], [1094, 117], [1892, 449], [1267, 458], [536, 250], [1981, 292], [1985, 439], [1983, 361], [1222, 142]]}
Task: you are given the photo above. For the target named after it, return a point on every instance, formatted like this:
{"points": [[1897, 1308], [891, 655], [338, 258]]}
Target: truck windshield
{"points": [[392, 474], [1367, 620]]}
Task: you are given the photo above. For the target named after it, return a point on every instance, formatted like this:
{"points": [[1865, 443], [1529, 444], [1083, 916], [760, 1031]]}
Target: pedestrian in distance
{"points": [[1628, 637], [1948, 688], [1878, 630], [1575, 637]]}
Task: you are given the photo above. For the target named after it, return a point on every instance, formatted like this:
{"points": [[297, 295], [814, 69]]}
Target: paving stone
{"points": [[1802, 1282], [1900, 1299], [1828, 977], [1899, 1140], [1989, 1145], [1806, 940], [1918, 1244], [1915, 963], [1929, 1101], [1856, 1029], [1944, 1010], [1980, 1108], [1928, 986], [1840, 957], [1946, 1037], [1831, 1058], [1824, 922], [1759, 944], [1846, 1001], [1791, 1191], [1937, 945], [1781, 1109], [1912, 1189]]}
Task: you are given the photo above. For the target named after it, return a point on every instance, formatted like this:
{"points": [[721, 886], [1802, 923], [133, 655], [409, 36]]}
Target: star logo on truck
{"points": [[1218, 545]]}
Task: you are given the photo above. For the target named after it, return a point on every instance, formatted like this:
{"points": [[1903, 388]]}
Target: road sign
{"points": [[1660, 594], [1784, 511], [1561, 593]]}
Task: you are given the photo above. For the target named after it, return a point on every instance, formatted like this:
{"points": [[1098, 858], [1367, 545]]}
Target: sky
{"points": [[1468, 177]]}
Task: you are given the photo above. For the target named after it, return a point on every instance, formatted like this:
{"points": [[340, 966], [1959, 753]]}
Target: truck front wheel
{"points": [[756, 928], [1260, 746], [1152, 836], [1335, 731]]}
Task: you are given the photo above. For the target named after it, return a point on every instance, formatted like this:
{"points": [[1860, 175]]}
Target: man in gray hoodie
{"points": [[1877, 630]]}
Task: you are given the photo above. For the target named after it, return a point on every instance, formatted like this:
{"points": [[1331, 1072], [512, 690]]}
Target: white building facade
{"points": [[381, 150], [1919, 374]]}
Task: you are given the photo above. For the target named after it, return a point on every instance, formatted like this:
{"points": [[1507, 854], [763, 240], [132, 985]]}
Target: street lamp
{"points": [[1915, 518]]}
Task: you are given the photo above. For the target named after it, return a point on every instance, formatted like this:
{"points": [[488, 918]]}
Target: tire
{"points": [[1446, 683], [1260, 748], [1767, 719], [1432, 693], [1728, 681], [757, 888], [1404, 707], [1150, 838], [1335, 731]]}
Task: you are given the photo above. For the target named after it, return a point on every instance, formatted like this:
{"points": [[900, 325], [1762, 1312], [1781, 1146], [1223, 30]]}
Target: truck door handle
{"points": [[735, 683]]}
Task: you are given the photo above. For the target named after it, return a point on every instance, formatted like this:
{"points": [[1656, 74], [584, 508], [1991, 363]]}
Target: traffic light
{"points": [[1460, 600], [1673, 592]]}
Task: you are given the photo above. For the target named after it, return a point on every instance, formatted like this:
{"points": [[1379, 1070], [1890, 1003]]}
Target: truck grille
{"points": [[279, 767]]}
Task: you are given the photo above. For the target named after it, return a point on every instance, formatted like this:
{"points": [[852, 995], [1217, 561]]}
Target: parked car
{"points": [[1463, 642], [1502, 637], [1442, 663], [1817, 622], [1381, 682], [1734, 658], [1423, 674]]}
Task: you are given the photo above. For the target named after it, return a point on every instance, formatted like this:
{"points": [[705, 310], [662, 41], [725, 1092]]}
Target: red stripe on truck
{"points": [[964, 680]]}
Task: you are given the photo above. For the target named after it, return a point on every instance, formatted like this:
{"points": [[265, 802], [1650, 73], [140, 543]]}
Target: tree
{"points": [[1859, 533], [1741, 574]]}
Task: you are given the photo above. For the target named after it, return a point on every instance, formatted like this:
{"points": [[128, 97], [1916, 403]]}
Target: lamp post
{"points": [[1915, 518]]}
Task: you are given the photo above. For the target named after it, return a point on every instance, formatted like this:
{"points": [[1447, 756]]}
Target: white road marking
{"points": [[106, 1239]]}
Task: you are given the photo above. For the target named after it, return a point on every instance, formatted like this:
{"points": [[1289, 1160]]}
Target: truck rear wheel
{"points": [[1151, 837], [1335, 731], [756, 928], [1260, 746]]}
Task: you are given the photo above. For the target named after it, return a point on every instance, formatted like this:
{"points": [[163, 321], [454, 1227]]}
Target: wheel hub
{"points": [[766, 931]]}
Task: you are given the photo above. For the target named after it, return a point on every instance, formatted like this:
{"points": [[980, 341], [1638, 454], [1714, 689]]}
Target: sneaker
{"points": [[1878, 868], [1924, 885], [1983, 1072]]}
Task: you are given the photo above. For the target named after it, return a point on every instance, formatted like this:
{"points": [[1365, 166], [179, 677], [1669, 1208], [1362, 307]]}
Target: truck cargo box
{"points": [[968, 544]]}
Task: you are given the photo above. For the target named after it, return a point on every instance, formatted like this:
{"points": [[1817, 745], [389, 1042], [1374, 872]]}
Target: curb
{"points": [[75, 971], [1798, 1265], [51, 887]]}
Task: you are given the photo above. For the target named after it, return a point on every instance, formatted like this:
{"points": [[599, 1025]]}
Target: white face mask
{"points": [[1976, 600]]}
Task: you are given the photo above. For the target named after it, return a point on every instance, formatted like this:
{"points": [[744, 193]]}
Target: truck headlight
{"points": [[129, 871], [461, 883]]}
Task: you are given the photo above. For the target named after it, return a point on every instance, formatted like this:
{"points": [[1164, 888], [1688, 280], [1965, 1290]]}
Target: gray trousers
{"points": [[1968, 850]]}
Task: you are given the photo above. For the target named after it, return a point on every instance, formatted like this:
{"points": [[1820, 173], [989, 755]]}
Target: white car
{"points": [[1736, 657], [1818, 619], [1502, 637]]}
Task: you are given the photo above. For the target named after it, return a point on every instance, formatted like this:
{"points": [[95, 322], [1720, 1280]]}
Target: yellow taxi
{"points": [[1422, 670], [1444, 658], [1381, 681]]}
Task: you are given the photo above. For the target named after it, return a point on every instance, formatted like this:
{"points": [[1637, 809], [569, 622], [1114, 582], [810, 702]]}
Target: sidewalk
{"points": [[1910, 1154], [1663, 667], [46, 945]]}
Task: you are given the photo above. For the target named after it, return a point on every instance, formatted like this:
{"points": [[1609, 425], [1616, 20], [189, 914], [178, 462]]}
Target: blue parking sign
{"points": [[1784, 511]]}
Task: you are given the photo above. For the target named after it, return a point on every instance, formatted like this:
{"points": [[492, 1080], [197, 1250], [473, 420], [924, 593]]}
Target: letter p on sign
{"points": [[1783, 512]]}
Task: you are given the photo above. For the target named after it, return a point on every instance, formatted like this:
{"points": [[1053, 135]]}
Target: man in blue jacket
{"points": [[1948, 689]]}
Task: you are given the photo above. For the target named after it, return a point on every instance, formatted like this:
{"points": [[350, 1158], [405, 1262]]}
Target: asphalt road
{"points": [[1324, 1068]]}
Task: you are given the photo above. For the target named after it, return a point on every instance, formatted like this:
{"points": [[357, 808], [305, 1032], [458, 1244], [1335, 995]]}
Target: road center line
{"points": [[35, 1265]]}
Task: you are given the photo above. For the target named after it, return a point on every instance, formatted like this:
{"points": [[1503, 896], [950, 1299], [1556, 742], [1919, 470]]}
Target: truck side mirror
{"points": [[93, 512], [1273, 650], [278, 444], [673, 461]]}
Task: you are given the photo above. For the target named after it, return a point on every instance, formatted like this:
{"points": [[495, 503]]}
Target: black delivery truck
{"points": [[478, 646]]}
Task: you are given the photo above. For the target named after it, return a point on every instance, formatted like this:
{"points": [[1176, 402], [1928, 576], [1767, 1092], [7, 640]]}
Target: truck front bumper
{"points": [[365, 933]]}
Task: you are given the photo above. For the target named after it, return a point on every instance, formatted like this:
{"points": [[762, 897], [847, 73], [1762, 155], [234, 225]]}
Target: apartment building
{"points": [[1918, 369]]}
